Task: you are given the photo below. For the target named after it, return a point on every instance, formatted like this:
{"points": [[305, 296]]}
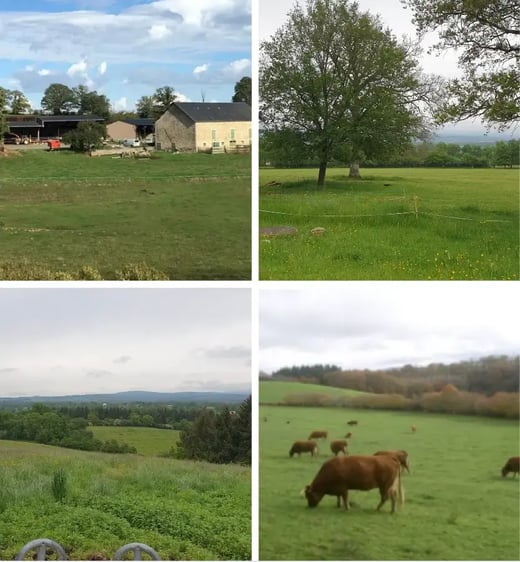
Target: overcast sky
{"points": [[385, 324], [273, 14], [75, 341], [126, 48]]}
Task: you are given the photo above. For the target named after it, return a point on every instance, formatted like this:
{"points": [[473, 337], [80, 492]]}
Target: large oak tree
{"points": [[336, 75], [487, 35]]}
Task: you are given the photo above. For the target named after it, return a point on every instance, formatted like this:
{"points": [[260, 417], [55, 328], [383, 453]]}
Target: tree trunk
{"points": [[354, 171], [321, 174]]}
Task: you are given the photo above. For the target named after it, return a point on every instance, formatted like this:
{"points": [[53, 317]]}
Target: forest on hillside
{"points": [[219, 435], [488, 387]]}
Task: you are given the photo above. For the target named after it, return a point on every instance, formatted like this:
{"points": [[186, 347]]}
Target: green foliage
{"points": [[155, 105], [184, 510], [455, 479], [59, 485], [219, 437], [334, 75], [243, 90], [485, 33], [90, 103], [58, 99], [86, 137], [18, 103]]}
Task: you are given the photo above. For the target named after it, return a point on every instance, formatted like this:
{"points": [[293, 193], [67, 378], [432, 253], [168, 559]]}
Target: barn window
{"points": [[232, 134], [213, 134]]}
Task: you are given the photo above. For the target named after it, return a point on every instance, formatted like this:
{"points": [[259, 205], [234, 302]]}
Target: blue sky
{"points": [[126, 49]]}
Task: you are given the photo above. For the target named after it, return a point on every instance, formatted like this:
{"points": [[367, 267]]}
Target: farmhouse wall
{"points": [[119, 130], [175, 128], [227, 134]]}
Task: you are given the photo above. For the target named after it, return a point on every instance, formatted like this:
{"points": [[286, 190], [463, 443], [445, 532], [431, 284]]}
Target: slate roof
{"points": [[208, 112], [23, 124], [69, 118], [140, 121]]}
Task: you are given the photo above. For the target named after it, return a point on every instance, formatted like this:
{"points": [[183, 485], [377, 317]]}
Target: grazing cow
{"points": [[338, 475], [400, 455], [318, 435], [339, 445], [413, 428], [352, 422], [512, 465], [348, 435], [300, 447]]}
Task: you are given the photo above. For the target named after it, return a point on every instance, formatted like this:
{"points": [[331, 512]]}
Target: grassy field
{"points": [[148, 441], [275, 391], [369, 238], [186, 216], [458, 506], [184, 510]]}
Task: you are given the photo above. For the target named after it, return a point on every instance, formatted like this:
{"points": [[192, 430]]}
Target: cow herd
{"points": [[381, 470]]}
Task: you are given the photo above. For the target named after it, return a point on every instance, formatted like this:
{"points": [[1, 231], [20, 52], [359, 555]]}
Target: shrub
{"points": [[140, 272], [59, 485]]}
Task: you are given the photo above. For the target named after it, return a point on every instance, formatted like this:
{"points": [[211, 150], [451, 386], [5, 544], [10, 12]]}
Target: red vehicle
{"points": [[54, 144]]}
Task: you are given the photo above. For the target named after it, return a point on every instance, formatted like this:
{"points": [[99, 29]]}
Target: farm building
{"points": [[204, 127], [39, 127], [137, 128]]}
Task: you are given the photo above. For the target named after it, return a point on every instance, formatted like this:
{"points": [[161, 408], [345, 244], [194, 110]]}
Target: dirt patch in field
{"points": [[9, 153]]}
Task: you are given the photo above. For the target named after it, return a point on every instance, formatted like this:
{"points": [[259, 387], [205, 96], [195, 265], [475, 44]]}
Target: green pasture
{"points": [[467, 226], [457, 505], [147, 440], [185, 216], [272, 392], [184, 510]]}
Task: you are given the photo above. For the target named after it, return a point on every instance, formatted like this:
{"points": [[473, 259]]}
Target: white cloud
{"points": [[44, 72], [200, 69], [121, 104], [102, 68], [158, 32], [238, 68], [77, 68]]}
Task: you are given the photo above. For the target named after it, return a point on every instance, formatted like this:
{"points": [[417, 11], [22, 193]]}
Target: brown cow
{"points": [[338, 475], [413, 428], [400, 455], [318, 435], [512, 465], [300, 447], [339, 445], [348, 435], [352, 422]]}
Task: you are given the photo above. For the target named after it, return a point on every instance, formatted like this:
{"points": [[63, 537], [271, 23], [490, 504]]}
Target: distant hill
{"points": [[473, 138], [135, 396]]}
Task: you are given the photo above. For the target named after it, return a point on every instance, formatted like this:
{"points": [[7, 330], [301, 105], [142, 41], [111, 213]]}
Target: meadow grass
{"points": [[370, 238], [186, 216], [457, 505], [184, 510], [275, 391], [148, 441]]}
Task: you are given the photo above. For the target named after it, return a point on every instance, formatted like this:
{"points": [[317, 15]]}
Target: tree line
{"points": [[217, 434], [60, 99], [290, 150], [487, 376]]}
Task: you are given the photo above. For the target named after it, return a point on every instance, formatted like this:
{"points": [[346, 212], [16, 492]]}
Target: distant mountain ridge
{"points": [[136, 396]]}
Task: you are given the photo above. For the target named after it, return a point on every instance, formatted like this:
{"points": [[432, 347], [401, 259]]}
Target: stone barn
{"points": [[204, 127]]}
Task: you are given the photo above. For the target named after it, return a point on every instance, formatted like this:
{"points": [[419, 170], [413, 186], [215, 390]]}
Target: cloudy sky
{"points": [[375, 324], [273, 14], [74, 341], [126, 48]]}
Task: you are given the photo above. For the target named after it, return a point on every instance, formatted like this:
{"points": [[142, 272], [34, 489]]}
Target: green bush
{"points": [[139, 272], [59, 485]]}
